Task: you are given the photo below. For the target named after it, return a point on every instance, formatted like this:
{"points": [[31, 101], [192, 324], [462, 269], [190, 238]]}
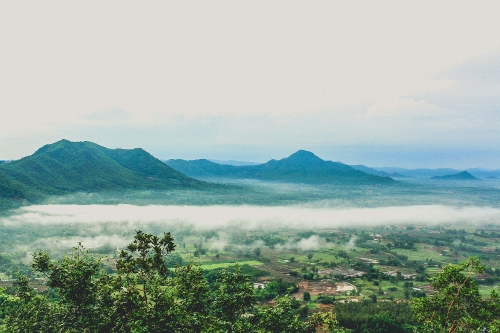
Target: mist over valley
{"points": [[233, 209], [249, 167]]}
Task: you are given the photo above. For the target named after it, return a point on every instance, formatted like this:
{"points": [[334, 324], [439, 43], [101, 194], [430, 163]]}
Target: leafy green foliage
{"points": [[275, 288], [146, 254], [281, 318], [381, 323], [358, 315], [145, 296], [457, 306]]}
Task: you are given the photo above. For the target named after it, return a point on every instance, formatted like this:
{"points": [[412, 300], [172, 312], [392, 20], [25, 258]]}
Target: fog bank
{"points": [[250, 217]]}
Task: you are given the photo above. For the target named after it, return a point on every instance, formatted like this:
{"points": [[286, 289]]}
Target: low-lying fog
{"points": [[249, 217], [58, 228], [110, 218]]}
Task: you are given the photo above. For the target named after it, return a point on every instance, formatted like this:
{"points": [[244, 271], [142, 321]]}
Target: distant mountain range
{"points": [[427, 173], [302, 166], [65, 167]]}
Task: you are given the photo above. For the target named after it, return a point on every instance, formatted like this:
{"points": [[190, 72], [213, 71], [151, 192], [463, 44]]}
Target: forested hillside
{"points": [[66, 167]]}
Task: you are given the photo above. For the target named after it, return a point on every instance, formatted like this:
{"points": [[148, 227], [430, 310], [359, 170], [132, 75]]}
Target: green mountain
{"points": [[65, 167], [464, 175], [302, 166]]}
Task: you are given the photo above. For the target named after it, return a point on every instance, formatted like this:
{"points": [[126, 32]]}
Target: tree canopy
{"points": [[457, 305], [145, 296]]}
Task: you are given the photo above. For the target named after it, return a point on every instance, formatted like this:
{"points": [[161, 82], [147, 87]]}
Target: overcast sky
{"points": [[401, 83]]}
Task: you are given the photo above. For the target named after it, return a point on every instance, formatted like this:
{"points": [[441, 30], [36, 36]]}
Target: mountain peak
{"points": [[65, 167], [303, 156], [65, 144], [302, 166]]}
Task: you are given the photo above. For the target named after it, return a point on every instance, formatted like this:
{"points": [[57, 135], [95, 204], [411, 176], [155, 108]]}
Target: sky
{"points": [[381, 83]]}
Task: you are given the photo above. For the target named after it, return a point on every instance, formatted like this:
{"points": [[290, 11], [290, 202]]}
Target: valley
{"points": [[327, 235]]}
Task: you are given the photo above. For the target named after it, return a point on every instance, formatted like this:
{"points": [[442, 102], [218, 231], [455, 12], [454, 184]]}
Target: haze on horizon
{"points": [[413, 84]]}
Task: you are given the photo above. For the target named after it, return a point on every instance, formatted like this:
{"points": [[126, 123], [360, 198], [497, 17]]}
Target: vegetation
{"points": [[66, 167], [457, 306], [236, 276], [144, 296], [86, 173]]}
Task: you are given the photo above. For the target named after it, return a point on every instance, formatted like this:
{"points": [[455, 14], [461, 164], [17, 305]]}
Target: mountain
{"points": [[65, 167], [464, 175], [428, 173], [302, 166], [418, 173], [375, 172]]}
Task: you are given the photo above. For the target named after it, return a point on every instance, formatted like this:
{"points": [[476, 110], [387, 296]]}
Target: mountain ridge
{"points": [[426, 173], [301, 166], [65, 167]]}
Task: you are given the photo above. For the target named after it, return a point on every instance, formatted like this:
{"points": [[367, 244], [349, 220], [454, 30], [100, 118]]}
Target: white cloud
{"points": [[251, 217]]}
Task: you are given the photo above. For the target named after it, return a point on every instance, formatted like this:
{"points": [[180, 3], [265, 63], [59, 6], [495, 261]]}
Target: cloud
{"points": [[309, 244], [249, 217], [97, 224], [58, 244]]}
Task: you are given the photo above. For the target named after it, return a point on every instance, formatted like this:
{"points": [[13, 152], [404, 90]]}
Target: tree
{"points": [[142, 296], [281, 318], [145, 296], [457, 305], [306, 296], [232, 298], [381, 323]]}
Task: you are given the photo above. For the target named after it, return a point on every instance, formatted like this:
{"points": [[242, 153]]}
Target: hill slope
{"points": [[302, 166], [64, 167]]}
